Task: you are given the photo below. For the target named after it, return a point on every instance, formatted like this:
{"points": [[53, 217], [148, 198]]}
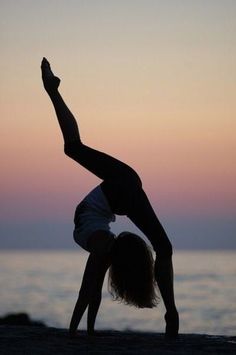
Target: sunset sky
{"points": [[151, 82]]}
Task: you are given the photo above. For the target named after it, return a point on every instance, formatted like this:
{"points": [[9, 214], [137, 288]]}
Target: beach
{"points": [[37, 340]]}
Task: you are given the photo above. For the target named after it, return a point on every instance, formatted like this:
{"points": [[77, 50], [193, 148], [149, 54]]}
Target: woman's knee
{"points": [[132, 179], [72, 148]]}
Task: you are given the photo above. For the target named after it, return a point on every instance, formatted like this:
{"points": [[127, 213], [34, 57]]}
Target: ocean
{"points": [[45, 284]]}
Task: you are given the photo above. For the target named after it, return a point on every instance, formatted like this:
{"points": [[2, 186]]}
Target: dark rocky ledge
{"points": [[27, 340]]}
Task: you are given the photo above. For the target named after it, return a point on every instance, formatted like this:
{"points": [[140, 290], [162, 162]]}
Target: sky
{"points": [[151, 82]]}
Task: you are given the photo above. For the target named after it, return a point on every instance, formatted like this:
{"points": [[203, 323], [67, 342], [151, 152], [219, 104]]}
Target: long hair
{"points": [[131, 274]]}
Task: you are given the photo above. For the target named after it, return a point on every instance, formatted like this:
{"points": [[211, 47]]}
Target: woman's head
{"points": [[131, 274]]}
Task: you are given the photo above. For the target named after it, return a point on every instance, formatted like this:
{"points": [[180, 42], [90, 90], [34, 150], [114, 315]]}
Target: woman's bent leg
{"points": [[100, 164], [66, 119]]}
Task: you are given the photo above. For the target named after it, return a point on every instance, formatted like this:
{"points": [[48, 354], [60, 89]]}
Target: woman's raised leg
{"points": [[66, 119], [102, 165]]}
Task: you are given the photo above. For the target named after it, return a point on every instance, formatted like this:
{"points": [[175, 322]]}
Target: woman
{"points": [[129, 258]]}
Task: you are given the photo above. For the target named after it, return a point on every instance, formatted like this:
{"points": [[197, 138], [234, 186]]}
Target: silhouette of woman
{"points": [[132, 271]]}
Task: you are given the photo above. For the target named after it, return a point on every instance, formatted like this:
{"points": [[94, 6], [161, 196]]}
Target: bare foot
{"points": [[172, 325], [50, 81]]}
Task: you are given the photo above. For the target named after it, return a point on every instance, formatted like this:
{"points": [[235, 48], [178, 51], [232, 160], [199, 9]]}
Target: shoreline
{"points": [[37, 340]]}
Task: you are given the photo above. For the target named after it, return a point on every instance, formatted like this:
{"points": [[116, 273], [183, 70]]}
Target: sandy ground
{"points": [[42, 340]]}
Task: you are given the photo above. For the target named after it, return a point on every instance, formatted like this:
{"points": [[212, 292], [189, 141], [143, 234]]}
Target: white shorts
{"points": [[91, 215]]}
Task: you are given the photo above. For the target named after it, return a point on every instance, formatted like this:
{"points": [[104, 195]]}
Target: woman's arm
{"points": [[78, 312], [93, 307], [90, 292]]}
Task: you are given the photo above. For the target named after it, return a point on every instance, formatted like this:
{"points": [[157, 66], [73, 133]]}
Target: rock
{"points": [[20, 319], [43, 340]]}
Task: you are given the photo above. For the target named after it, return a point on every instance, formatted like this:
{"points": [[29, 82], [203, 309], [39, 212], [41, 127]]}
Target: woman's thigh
{"points": [[99, 163]]}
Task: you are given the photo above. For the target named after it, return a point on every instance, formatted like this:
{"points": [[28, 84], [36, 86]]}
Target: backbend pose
{"points": [[127, 256]]}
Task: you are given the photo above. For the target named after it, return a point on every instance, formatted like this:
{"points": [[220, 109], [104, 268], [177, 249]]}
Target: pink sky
{"points": [[152, 83]]}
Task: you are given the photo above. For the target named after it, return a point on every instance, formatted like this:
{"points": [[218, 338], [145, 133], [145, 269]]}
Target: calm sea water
{"points": [[45, 285]]}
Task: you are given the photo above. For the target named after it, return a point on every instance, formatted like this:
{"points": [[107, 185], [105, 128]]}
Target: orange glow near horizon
{"points": [[153, 87]]}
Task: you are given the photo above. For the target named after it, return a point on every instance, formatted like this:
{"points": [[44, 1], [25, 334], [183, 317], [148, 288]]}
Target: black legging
{"points": [[123, 190]]}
